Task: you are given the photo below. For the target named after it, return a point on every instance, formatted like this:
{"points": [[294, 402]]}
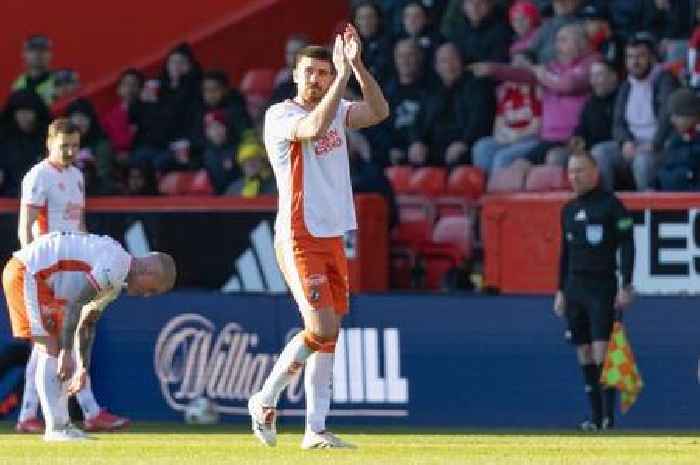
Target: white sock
{"points": [[318, 376], [30, 397], [52, 392], [289, 363], [87, 402]]}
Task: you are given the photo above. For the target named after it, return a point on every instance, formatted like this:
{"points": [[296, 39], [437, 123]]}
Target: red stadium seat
{"points": [[411, 233], [546, 178], [201, 184], [399, 177], [457, 231], [176, 183], [428, 181], [466, 181], [510, 179], [451, 245]]}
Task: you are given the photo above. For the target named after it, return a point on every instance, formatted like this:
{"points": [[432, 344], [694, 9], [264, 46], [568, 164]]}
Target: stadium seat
{"points": [[411, 233], [399, 177], [457, 231], [450, 245], [509, 179], [466, 181], [201, 184], [546, 178], [176, 183], [428, 181]]}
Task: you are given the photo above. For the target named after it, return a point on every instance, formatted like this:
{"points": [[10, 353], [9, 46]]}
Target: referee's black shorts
{"points": [[590, 310]]}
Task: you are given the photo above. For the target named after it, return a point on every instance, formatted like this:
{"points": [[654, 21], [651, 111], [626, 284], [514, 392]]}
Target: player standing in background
{"points": [[53, 199], [306, 143], [56, 289]]}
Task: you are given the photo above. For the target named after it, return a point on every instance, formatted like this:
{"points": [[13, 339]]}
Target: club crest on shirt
{"points": [[331, 140], [61, 186], [313, 283], [594, 233], [580, 216]]}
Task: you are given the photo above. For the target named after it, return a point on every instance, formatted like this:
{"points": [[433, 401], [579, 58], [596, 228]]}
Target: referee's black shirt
{"points": [[594, 226]]}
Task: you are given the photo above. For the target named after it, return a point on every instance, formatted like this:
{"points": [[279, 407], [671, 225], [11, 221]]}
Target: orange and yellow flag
{"points": [[620, 369]]}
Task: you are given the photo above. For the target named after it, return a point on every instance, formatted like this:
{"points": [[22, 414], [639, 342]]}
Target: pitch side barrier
{"points": [[221, 243], [522, 235], [402, 359]]}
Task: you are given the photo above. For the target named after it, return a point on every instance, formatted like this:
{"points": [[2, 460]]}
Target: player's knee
{"points": [[319, 342]]}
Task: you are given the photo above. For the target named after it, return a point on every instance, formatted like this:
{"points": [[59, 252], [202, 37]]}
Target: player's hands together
{"points": [[559, 304], [340, 61], [78, 382], [352, 44], [65, 365], [624, 297]]}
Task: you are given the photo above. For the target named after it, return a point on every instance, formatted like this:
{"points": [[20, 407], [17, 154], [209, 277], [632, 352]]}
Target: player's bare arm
{"points": [[71, 317], [27, 216], [317, 122], [373, 108]]}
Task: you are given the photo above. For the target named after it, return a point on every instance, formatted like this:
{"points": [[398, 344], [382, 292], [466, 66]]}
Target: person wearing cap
{"points": [[257, 175], [640, 122], [680, 167], [219, 151], [37, 76], [601, 35]]}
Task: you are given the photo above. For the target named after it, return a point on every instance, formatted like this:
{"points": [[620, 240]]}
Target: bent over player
{"points": [[305, 140], [53, 199], [56, 288]]}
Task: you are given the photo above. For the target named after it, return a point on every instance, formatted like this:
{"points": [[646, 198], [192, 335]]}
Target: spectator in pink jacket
{"points": [[565, 87], [119, 128]]}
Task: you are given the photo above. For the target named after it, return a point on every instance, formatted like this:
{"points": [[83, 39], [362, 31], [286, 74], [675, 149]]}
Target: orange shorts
{"points": [[316, 271], [34, 310]]}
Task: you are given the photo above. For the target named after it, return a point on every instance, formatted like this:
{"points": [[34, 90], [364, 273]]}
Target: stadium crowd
{"points": [[491, 83]]}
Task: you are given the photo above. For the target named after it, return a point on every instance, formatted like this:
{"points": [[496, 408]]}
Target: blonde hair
{"points": [[61, 126], [168, 269]]}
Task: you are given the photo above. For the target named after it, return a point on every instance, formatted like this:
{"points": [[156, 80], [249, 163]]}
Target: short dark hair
{"points": [[140, 77], [217, 75], [316, 52], [62, 126]]}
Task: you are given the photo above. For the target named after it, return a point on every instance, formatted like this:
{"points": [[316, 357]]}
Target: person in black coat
{"points": [[23, 126], [483, 34], [453, 116]]}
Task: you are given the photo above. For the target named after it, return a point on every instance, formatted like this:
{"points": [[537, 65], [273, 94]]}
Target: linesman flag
{"points": [[620, 369]]}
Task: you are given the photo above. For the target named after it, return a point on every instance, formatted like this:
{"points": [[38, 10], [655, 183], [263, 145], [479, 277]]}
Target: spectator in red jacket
{"points": [[115, 121]]}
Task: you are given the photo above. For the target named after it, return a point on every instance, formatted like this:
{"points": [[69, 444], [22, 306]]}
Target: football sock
{"points": [[52, 392], [30, 397], [290, 361], [591, 376], [318, 376], [87, 402]]}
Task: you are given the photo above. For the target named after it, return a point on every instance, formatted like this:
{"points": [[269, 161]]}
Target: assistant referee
{"points": [[595, 226]]}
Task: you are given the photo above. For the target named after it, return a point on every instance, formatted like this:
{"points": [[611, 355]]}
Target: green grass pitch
{"points": [[172, 444]]}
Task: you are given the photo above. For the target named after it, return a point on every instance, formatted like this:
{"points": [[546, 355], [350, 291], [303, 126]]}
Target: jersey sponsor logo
{"points": [[330, 141], [192, 359], [594, 233]]}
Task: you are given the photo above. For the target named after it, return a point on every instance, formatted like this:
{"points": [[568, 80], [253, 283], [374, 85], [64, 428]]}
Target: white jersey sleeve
{"points": [[34, 188], [281, 121]]}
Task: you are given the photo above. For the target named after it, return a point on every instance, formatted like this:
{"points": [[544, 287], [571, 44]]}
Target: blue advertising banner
{"points": [[414, 360]]}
